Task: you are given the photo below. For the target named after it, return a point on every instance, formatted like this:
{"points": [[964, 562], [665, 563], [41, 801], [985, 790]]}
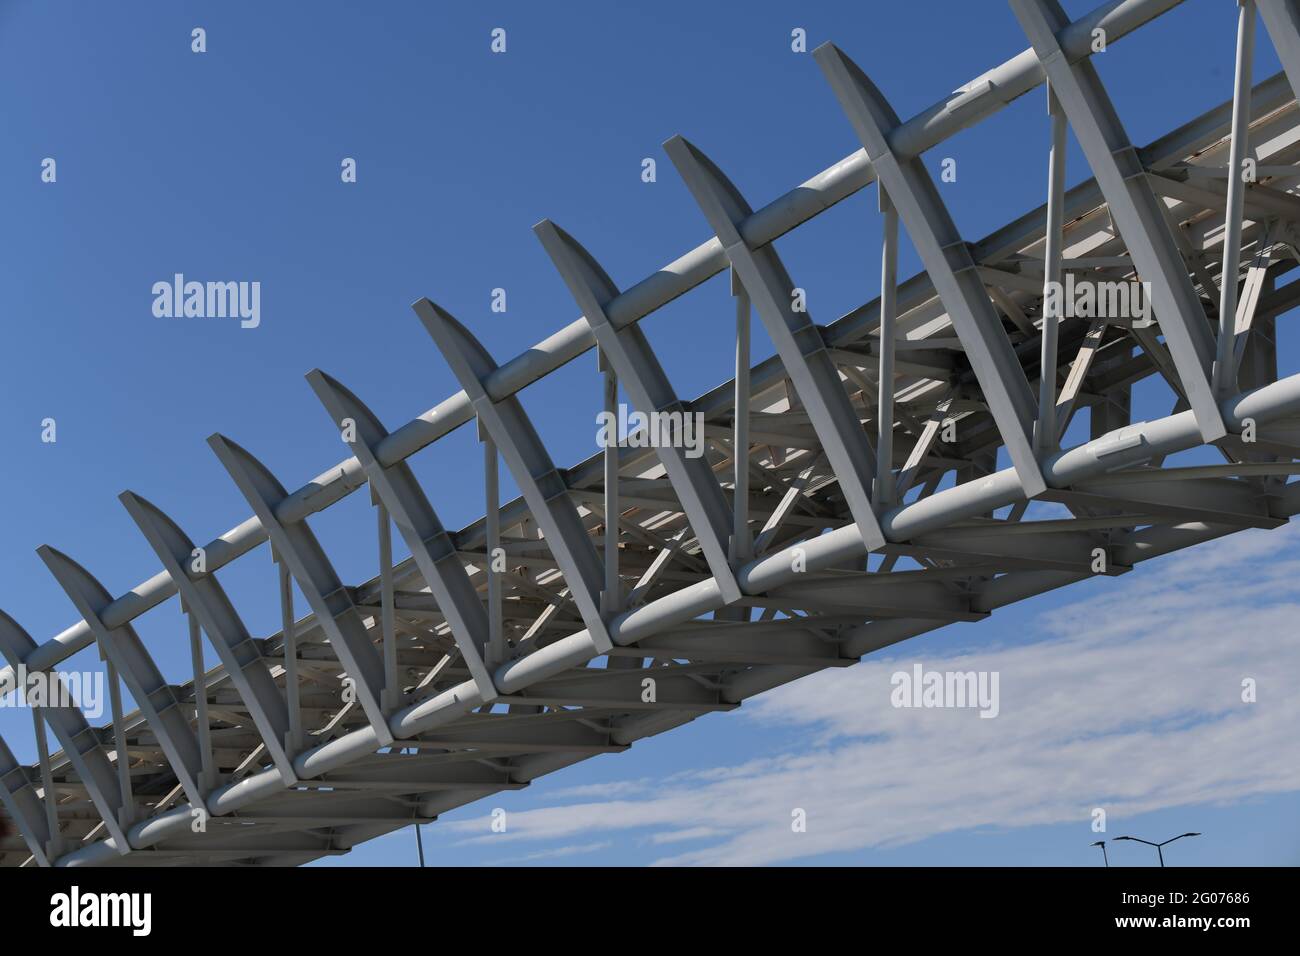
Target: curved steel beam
{"points": [[798, 341], [947, 258], [1137, 212], [640, 372], [1282, 22], [122, 647], [79, 740], [541, 483], [25, 808], [326, 594], [204, 597], [430, 544]]}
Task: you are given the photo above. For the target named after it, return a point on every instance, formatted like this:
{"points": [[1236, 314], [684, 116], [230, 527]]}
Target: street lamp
{"points": [[1102, 844], [1157, 845]]}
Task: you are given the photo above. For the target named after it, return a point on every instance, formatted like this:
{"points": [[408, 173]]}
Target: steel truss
{"points": [[849, 497]]}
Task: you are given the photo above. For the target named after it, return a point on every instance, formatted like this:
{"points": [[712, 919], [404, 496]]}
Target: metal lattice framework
{"points": [[849, 497]]}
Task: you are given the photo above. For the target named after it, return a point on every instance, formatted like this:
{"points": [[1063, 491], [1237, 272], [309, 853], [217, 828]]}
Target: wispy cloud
{"points": [[1129, 700], [556, 853]]}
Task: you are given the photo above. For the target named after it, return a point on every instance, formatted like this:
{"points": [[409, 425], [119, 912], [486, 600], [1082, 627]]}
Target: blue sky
{"points": [[225, 166]]}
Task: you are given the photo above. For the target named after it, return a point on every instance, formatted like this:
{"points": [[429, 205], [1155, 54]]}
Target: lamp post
{"points": [[1158, 845], [1104, 858]]}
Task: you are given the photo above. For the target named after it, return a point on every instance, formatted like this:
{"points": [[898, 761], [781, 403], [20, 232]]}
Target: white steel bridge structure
{"points": [[849, 496]]}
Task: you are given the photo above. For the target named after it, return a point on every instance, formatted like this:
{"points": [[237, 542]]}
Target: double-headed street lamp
{"points": [[1156, 845], [1104, 858]]}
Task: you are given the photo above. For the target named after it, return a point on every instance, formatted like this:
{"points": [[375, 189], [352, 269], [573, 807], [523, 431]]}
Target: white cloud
{"points": [[556, 853], [1128, 700], [613, 788]]}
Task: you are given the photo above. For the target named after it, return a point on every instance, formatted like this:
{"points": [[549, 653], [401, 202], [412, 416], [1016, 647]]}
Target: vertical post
{"points": [[1257, 363], [201, 702], [47, 784], [741, 542], [611, 597], [884, 490], [1239, 147], [492, 486], [127, 815], [1045, 440], [1116, 406], [292, 692], [391, 692]]}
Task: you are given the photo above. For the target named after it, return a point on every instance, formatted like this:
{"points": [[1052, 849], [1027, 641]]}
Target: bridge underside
{"points": [[827, 516]]}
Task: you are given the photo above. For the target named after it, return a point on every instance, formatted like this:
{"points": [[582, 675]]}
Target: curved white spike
{"points": [[204, 597], [1137, 212], [647, 385], [328, 597], [798, 341], [123, 648], [430, 544], [18, 794], [948, 261], [79, 740], [543, 487]]}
